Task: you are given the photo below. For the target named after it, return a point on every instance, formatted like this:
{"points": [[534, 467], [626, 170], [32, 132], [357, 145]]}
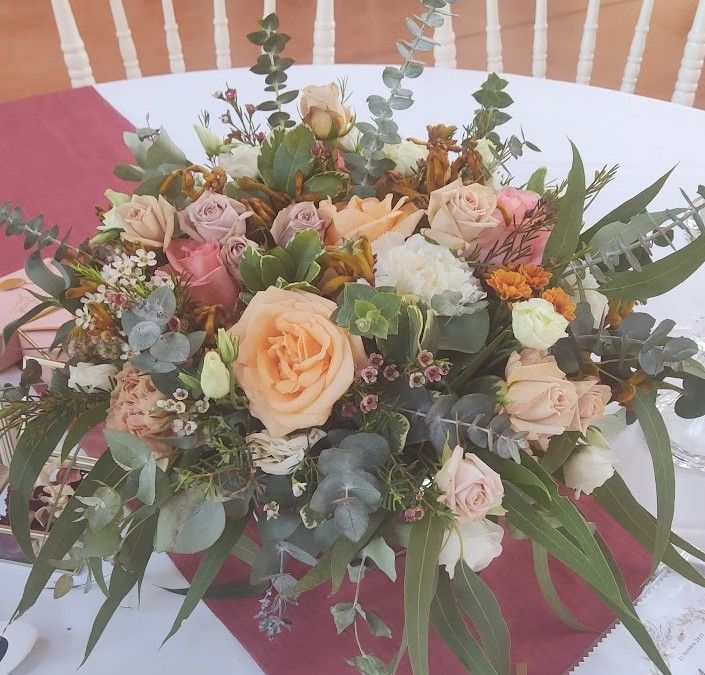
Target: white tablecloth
{"points": [[644, 136]]}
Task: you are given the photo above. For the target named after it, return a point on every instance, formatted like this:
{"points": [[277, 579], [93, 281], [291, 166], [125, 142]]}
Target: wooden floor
{"points": [[31, 63]]}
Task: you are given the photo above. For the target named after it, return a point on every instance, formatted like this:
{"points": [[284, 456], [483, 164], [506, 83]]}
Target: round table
{"points": [[644, 136]]}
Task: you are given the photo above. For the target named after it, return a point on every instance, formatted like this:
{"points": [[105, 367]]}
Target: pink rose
{"points": [[470, 488], [132, 404], [231, 252], [540, 400], [592, 399], [294, 218], [200, 265], [213, 217], [514, 214]]}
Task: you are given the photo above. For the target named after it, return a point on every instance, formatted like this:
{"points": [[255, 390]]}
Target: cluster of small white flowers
{"points": [[84, 319], [128, 352], [126, 271], [183, 425]]}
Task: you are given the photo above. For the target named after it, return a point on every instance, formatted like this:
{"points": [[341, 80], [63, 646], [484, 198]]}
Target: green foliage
{"points": [[465, 333], [368, 311], [284, 154], [420, 579], [565, 236], [133, 454], [384, 130], [294, 266], [156, 156], [273, 67]]}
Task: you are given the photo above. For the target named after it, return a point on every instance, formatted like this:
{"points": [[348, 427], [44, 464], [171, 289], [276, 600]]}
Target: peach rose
{"points": [[540, 400], [132, 403], [294, 363], [200, 264], [323, 110], [470, 488], [147, 220], [458, 214], [368, 217], [592, 399]]}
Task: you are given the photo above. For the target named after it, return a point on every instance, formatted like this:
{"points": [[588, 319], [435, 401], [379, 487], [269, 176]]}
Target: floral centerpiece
{"points": [[330, 344]]}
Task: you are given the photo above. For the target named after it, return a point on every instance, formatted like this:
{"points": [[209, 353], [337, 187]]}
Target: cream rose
{"points": [[294, 363], [592, 399], [323, 110], [536, 323], [147, 220], [469, 487], [92, 377], [539, 399], [587, 468], [241, 161], [280, 456], [458, 214], [406, 155], [368, 217], [477, 543]]}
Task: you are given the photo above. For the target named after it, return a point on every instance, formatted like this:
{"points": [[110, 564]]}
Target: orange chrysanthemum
{"points": [[508, 285], [561, 301], [536, 276]]}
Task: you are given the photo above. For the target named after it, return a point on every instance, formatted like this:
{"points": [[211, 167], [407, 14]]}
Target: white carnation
{"points": [[405, 155], [90, 377], [588, 468], [477, 542], [536, 324], [280, 456], [241, 161], [598, 302], [417, 267]]}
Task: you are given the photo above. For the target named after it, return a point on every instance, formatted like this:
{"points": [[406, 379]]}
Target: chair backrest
{"points": [[688, 75], [80, 73]]}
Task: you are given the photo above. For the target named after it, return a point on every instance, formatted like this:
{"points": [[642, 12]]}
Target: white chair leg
{"points": [[636, 51], [324, 32], [494, 37], [444, 51], [540, 47], [692, 61], [125, 42], [270, 7], [72, 47], [587, 44], [221, 36], [173, 41]]}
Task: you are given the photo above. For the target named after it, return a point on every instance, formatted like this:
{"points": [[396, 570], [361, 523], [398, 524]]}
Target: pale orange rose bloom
{"points": [[294, 363], [592, 399], [369, 217]]}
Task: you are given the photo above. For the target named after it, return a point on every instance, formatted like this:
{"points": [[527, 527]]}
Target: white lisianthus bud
{"points": [[476, 542], [91, 377], [211, 142], [215, 376], [588, 468], [227, 346], [536, 323], [590, 293], [116, 198], [406, 156], [241, 161]]}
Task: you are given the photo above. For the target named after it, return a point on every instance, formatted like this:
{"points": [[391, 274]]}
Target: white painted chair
{"points": [[80, 73], [688, 76], [79, 67]]}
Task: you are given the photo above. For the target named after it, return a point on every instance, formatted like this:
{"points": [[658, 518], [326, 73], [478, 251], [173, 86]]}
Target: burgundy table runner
{"points": [[58, 152]]}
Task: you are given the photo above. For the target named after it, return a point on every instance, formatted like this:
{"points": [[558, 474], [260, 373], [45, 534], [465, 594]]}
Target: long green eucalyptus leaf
{"points": [[659, 444], [210, 565], [565, 236], [66, 530], [83, 424], [448, 622], [480, 604], [425, 541], [616, 498], [548, 589], [559, 450], [138, 547], [626, 211], [34, 447]]}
